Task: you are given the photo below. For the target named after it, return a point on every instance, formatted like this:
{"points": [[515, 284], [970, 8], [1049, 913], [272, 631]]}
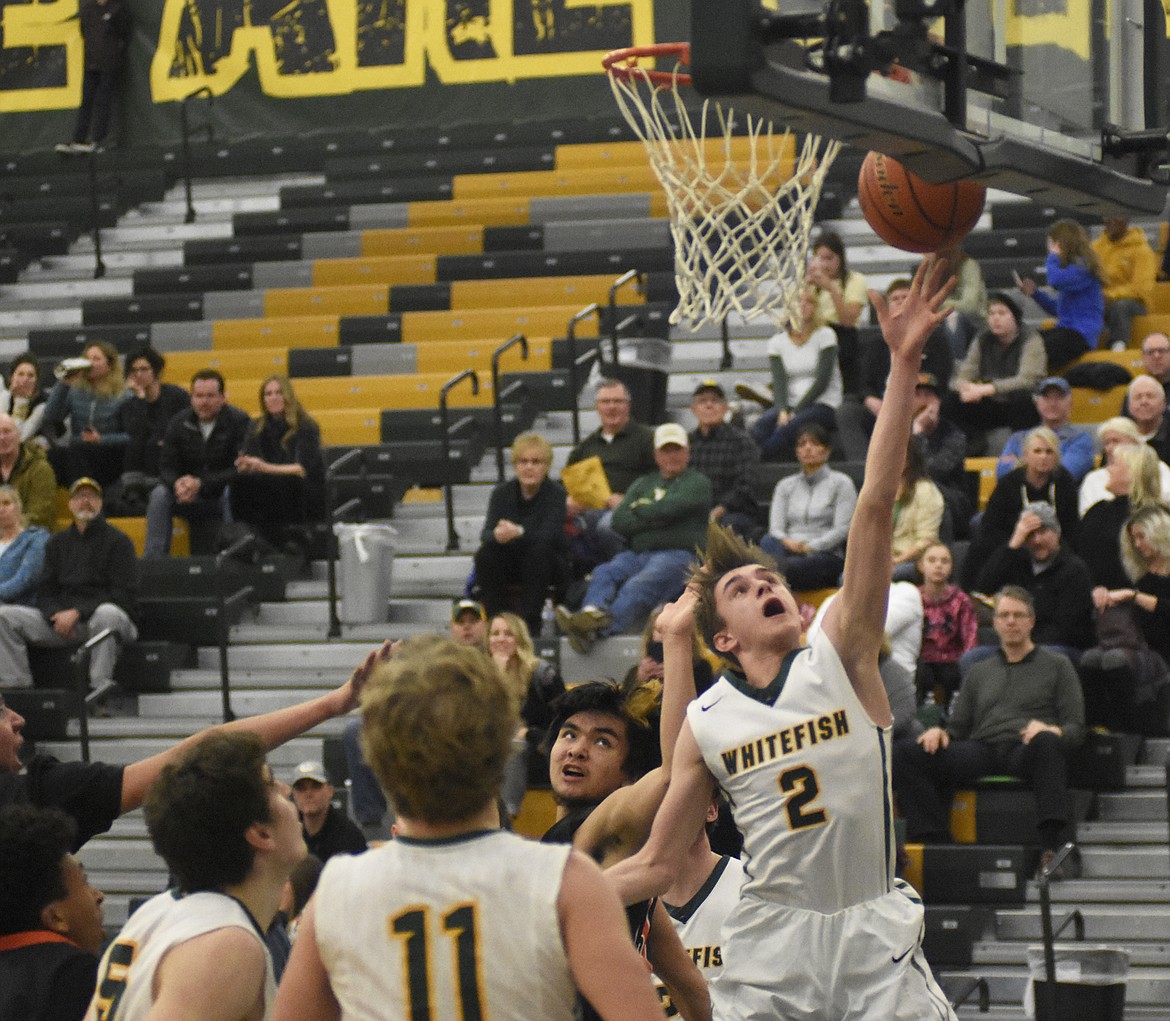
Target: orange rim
{"points": [[623, 64]]}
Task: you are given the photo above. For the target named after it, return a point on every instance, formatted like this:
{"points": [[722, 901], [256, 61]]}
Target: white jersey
{"points": [[699, 922], [456, 928], [126, 973], [807, 775]]}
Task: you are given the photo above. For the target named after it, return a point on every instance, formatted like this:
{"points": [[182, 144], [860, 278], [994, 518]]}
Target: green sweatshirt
{"points": [[662, 514]]}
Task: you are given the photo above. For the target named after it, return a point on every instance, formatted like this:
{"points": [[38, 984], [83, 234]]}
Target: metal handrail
{"points": [[571, 339], [332, 515], [496, 412], [80, 662], [184, 121], [1048, 934], [617, 285], [445, 419], [969, 985], [99, 266], [725, 335], [223, 604]]}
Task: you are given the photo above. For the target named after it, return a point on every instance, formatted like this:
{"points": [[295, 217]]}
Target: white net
{"points": [[741, 209]]}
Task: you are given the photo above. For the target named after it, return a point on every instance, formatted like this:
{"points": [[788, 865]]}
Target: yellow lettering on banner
{"points": [[1071, 30], [43, 25], [427, 42]]}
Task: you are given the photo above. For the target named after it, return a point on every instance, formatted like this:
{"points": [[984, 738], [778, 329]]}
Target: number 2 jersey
{"points": [[464, 927], [807, 774]]}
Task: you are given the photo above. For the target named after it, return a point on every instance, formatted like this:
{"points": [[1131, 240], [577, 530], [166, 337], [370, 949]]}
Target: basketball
{"points": [[911, 214]]}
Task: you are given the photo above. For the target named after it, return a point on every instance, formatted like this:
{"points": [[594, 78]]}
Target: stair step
{"points": [[1104, 923], [1145, 986], [1124, 862], [1122, 833], [1110, 891], [122, 752], [1142, 953]]}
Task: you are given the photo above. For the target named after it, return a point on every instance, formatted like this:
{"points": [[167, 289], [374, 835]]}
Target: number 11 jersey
{"points": [[458, 929]]}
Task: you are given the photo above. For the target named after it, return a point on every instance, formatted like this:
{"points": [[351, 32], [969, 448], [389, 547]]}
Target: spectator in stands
{"points": [[944, 448], [50, 918], [1113, 433], [967, 304], [24, 399], [855, 420], [810, 515], [840, 295], [301, 885], [144, 417], [230, 837], [25, 468], [468, 626], [1018, 713], [22, 551], [197, 464], [1035, 559], [1053, 399], [728, 457], [994, 382], [1039, 477], [535, 684], [105, 35], [94, 794], [1074, 272], [626, 451], [1156, 358], [664, 517], [522, 544], [87, 400], [806, 383], [326, 828], [650, 665], [1134, 481], [1145, 551], [918, 515], [89, 584], [1146, 405], [1129, 268], [949, 624], [280, 474]]}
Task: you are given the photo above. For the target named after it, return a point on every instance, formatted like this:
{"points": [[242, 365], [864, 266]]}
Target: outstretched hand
{"points": [[907, 330], [677, 619], [352, 688]]}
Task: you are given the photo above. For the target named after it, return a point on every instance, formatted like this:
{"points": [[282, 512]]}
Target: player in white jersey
{"points": [[698, 902], [799, 740], [231, 838], [454, 919]]}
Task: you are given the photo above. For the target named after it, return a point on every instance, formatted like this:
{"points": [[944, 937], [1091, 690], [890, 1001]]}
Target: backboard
{"points": [[1064, 101]]}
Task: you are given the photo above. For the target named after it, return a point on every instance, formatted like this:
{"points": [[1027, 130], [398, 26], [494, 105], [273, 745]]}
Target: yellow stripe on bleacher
{"points": [[233, 363], [440, 240], [291, 331], [451, 356], [414, 390], [341, 300], [509, 211], [535, 291], [375, 269], [543, 183], [492, 324], [633, 154]]}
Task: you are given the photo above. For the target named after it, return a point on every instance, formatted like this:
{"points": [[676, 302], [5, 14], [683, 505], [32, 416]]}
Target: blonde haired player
{"points": [[456, 918], [799, 740]]}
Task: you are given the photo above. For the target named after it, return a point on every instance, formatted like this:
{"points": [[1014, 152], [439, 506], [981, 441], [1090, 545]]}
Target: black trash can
{"points": [[644, 366], [1090, 984]]}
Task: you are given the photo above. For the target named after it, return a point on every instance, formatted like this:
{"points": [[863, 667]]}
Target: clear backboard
{"points": [[1064, 101]]}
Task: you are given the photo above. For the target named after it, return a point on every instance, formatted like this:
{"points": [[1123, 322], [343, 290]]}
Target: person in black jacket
{"points": [[326, 828], [105, 32], [89, 583], [522, 543], [144, 418], [197, 463]]}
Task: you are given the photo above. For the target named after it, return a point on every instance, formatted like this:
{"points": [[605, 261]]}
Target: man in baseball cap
{"points": [[1053, 400], [328, 831], [664, 517], [728, 456]]}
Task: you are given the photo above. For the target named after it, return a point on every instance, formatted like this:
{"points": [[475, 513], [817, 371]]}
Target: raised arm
{"points": [[855, 621], [683, 814], [273, 728]]}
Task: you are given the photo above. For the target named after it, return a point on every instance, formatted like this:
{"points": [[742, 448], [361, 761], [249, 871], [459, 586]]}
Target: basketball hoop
{"points": [[741, 209]]}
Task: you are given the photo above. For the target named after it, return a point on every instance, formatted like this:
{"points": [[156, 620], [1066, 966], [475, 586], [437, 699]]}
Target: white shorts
{"points": [[860, 964]]}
